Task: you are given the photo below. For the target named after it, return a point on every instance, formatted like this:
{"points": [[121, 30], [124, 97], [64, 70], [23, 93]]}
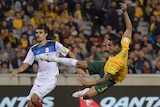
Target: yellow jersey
{"points": [[117, 63]]}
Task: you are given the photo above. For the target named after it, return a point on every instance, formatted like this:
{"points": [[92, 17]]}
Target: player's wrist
{"points": [[124, 11], [17, 71]]}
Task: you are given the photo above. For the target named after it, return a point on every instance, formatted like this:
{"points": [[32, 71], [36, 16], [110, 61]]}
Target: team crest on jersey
{"points": [[47, 49], [126, 39], [112, 69], [64, 49]]}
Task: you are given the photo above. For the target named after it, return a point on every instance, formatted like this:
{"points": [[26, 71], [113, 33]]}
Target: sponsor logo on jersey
{"points": [[64, 49], [47, 49]]}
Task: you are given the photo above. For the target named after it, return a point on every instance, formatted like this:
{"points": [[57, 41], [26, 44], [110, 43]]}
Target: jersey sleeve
{"points": [[125, 41], [61, 49], [29, 58], [113, 68]]}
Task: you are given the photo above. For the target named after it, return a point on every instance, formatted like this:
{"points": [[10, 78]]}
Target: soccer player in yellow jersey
{"points": [[112, 71]]}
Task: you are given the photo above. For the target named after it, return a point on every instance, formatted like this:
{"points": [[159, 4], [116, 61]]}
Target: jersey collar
{"points": [[115, 53]]}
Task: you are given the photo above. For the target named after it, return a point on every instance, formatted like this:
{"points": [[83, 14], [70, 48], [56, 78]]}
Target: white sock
{"points": [[67, 61]]}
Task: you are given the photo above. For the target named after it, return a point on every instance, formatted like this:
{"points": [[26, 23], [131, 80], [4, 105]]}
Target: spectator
{"points": [[140, 62], [157, 46], [157, 65], [17, 21], [98, 54], [112, 16], [157, 27], [52, 11], [30, 32], [24, 40], [2, 16], [71, 23], [35, 17], [5, 68], [147, 13], [146, 68], [132, 63], [151, 29], [9, 18], [138, 12], [98, 35], [1, 45], [3, 29], [78, 11], [9, 49], [89, 9], [5, 58], [12, 39], [29, 8], [17, 61], [136, 40], [78, 53], [18, 5]]}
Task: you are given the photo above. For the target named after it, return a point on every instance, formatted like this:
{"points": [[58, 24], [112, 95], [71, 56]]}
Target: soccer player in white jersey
{"points": [[47, 74]]}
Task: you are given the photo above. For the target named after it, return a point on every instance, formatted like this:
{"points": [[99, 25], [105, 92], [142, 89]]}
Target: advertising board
{"points": [[117, 96]]}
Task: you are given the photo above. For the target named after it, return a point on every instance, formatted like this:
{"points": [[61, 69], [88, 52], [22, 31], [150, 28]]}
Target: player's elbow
{"points": [[129, 29]]}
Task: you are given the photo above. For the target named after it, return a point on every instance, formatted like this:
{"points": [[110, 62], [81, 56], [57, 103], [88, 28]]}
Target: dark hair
{"points": [[115, 39], [44, 27]]}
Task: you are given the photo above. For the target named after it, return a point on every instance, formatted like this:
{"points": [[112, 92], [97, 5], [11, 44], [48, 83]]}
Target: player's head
{"points": [[41, 32], [114, 43]]}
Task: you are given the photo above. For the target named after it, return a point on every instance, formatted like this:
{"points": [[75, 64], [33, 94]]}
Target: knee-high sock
{"points": [[38, 104], [67, 61]]}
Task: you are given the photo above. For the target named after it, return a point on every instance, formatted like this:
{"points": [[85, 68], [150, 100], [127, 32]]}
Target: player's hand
{"points": [[123, 6], [13, 74], [81, 72], [82, 81]]}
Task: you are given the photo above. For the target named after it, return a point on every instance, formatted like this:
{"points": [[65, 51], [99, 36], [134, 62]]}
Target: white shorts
{"points": [[43, 89]]}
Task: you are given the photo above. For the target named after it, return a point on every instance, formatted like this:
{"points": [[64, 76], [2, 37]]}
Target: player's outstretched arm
{"points": [[128, 31], [22, 68], [96, 82]]}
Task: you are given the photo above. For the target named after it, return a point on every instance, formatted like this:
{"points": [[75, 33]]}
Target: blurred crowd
{"points": [[83, 26]]}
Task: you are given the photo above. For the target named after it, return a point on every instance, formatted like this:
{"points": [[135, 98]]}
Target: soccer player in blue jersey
{"points": [[47, 74]]}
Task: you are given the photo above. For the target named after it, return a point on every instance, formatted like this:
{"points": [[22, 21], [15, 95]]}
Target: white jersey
{"points": [[47, 70]]}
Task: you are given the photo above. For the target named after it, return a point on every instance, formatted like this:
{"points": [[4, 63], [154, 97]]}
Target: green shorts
{"points": [[97, 67], [103, 87]]}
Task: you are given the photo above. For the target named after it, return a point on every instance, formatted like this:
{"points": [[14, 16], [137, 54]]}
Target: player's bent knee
{"points": [[34, 100]]}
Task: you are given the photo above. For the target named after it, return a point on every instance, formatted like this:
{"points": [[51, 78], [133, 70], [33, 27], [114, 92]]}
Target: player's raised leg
{"points": [[66, 61]]}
